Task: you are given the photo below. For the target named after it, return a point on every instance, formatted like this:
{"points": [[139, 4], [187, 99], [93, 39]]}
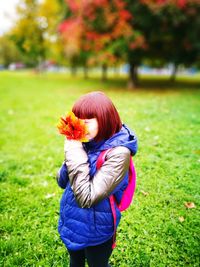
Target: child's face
{"points": [[92, 126]]}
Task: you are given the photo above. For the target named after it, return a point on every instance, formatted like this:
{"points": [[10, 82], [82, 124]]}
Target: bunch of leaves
{"points": [[72, 127]]}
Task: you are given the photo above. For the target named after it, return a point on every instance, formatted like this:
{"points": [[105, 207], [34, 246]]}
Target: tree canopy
{"points": [[109, 32], [132, 31]]}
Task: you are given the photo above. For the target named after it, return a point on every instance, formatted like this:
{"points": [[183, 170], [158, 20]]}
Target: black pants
{"points": [[96, 256]]}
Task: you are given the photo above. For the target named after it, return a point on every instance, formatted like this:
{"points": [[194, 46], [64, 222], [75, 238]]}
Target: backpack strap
{"points": [[112, 204], [101, 158], [100, 161]]}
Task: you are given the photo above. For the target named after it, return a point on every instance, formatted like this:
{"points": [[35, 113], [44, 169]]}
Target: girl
{"points": [[86, 220]]}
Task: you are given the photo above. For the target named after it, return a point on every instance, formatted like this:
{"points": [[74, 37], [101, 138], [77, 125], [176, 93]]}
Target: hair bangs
{"points": [[84, 109]]}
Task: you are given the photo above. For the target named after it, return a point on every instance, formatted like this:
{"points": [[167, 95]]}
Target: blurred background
{"points": [[145, 55], [119, 37]]}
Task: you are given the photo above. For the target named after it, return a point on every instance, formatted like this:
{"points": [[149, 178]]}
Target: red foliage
{"points": [[125, 15], [139, 42], [94, 36], [66, 25], [100, 3], [72, 127], [73, 5], [181, 3]]}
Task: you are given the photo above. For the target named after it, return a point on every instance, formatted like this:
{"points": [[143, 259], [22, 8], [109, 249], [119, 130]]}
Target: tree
{"points": [[52, 12], [86, 37], [170, 29], [28, 32], [8, 51], [102, 32], [36, 31], [142, 22]]}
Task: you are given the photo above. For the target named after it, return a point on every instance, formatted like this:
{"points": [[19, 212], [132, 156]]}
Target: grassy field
{"points": [[160, 229]]}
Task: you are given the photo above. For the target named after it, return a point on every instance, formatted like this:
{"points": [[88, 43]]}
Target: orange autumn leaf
{"points": [[189, 205], [72, 127]]}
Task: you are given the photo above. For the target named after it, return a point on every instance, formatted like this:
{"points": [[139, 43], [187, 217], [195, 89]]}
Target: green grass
{"points": [[166, 119]]}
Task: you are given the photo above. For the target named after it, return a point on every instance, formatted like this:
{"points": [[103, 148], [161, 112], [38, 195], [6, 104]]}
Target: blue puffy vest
{"points": [[83, 227]]}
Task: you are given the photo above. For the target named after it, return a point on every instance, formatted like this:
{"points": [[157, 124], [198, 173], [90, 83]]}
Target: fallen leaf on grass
{"points": [[155, 143], [190, 205], [197, 152], [144, 193], [45, 183], [147, 129], [181, 219], [50, 195], [10, 112]]}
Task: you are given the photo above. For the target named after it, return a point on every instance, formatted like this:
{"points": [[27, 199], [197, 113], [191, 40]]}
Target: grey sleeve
{"points": [[89, 191]]}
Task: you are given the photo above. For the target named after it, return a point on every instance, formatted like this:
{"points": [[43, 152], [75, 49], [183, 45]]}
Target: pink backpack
{"points": [[127, 194]]}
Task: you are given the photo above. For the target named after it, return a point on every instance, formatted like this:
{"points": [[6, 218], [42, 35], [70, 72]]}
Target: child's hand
{"points": [[71, 144]]}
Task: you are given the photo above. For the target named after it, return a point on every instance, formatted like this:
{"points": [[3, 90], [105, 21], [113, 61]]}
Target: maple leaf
{"points": [[144, 193], [50, 195], [181, 219], [190, 205], [73, 128]]}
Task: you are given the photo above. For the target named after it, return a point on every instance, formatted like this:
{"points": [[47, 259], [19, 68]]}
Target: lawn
{"points": [[162, 226]]}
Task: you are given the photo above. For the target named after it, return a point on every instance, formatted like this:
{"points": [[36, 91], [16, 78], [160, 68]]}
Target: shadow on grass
{"points": [[164, 83], [146, 82], [150, 83]]}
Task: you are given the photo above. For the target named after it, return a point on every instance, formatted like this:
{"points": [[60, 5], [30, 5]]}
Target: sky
{"points": [[7, 14]]}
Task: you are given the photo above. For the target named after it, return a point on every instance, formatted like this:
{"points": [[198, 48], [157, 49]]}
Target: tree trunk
{"points": [[40, 65], [174, 72], [73, 70], [117, 71], [104, 72], [133, 76], [85, 71]]}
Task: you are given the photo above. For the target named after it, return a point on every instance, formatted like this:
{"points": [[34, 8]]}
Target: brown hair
{"points": [[98, 105]]}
